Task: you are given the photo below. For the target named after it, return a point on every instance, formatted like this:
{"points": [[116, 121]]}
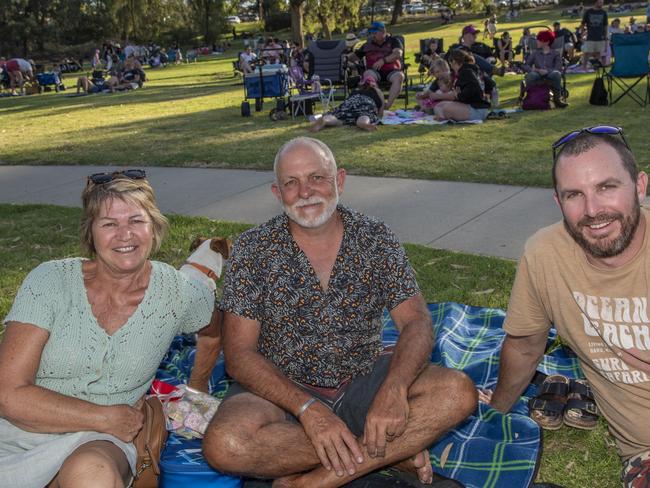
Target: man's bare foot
{"points": [[367, 126], [420, 464], [317, 124]]}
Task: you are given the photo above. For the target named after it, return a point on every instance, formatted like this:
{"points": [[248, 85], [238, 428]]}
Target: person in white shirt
{"points": [[246, 59]]}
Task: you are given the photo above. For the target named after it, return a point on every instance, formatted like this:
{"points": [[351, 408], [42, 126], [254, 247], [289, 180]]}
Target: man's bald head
{"points": [[315, 145]]}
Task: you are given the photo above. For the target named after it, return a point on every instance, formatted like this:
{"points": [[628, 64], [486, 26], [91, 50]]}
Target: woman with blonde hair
{"points": [[84, 338]]}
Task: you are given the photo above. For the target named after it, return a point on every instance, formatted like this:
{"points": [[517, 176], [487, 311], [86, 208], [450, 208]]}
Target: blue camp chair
{"points": [[630, 53]]}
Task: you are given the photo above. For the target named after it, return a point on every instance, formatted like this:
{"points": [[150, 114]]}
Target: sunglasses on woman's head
{"points": [[102, 178], [598, 130]]}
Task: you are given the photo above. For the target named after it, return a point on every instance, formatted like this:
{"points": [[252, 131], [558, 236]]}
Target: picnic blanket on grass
{"points": [[489, 450], [407, 117]]}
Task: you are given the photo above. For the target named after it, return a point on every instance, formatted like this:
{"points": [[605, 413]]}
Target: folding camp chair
{"points": [[422, 57], [630, 52], [327, 61]]}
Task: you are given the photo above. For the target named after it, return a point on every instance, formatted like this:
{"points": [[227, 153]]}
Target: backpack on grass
{"points": [[599, 95], [536, 97]]}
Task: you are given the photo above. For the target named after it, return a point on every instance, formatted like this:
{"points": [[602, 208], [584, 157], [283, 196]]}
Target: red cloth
{"points": [[12, 65]]}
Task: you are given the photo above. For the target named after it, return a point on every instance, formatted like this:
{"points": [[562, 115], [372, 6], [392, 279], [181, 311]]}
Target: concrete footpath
{"points": [[491, 220]]}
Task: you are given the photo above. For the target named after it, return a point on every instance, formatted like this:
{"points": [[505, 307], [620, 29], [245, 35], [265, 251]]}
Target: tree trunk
{"points": [[41, 33], [133, 21], [206, 35], [296, 21], [260, 9], [323, 22], [397, 11]]}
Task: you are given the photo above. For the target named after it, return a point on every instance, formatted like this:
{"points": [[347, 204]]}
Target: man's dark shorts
{"points": [[350, 401], [383, 75]]}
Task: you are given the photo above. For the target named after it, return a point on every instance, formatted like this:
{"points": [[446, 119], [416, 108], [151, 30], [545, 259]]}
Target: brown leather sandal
{"points": [[547, 407], [581, 411]]}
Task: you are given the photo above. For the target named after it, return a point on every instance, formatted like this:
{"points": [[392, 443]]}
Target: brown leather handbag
{"points": [[149, 443]]}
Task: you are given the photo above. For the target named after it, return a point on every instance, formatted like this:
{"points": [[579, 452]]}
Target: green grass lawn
{"points": [[189, 115], [31, 234]]}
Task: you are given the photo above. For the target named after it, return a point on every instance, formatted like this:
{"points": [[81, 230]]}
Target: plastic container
{"points": [[275, 84]]}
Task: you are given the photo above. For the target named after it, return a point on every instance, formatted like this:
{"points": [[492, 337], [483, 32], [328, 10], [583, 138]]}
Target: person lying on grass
{"points": [[364, 108]]}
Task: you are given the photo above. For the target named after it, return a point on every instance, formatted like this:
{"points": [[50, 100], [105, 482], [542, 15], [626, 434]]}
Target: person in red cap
{"points": [[543, 65]]}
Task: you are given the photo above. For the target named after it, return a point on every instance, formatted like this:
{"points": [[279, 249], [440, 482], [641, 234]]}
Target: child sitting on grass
{"points": [[441, 84]]}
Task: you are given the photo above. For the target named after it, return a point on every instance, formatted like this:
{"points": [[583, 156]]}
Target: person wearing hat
{"points": [[383, 59], [364, 108], [543, 66], [478, 49], [351, 40], [354, 69]]}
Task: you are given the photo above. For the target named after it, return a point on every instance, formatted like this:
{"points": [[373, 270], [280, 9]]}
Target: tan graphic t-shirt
{"points": [[602, 314]]}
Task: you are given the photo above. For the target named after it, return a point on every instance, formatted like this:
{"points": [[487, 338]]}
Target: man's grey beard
{"points": [[317, 221]]}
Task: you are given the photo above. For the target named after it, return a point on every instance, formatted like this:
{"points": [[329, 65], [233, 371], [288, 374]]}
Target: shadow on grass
{"points": [[149, 94]]}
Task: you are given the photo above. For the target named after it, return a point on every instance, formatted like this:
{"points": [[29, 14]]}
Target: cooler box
{"points": [[48, 78], [182, 464], [276, 84]]}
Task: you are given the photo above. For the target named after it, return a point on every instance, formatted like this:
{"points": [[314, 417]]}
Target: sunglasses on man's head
{"points": [[598, 130], [132, 174]]}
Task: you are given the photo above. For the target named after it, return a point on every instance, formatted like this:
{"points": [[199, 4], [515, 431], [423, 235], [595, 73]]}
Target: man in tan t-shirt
{"points": [[590, 276]]}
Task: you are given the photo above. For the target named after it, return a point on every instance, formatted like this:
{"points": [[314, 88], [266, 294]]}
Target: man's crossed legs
{"points": [[253, 437]]}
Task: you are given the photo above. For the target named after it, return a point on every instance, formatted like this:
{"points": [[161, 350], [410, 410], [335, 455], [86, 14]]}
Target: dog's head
{"points": [[219, 245]]}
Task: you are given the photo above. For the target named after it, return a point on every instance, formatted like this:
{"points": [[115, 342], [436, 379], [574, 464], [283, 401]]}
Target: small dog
{"points": [[205, 264]]}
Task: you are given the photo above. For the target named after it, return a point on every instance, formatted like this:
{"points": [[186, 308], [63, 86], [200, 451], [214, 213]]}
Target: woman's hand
{"points": [[123, 421]]}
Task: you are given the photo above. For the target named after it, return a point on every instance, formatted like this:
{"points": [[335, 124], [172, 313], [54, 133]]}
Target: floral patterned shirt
{"points": [[313, 336]]}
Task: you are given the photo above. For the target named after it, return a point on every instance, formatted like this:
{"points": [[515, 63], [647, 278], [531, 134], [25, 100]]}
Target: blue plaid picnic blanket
{"points": [[489, 450]]}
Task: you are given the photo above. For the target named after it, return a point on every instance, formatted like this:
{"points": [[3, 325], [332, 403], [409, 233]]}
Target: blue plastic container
{"points": [[275, 83], [48, 78], [182, 464]]}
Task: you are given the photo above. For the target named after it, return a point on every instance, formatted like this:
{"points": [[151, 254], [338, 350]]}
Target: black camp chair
{"points": [[325, 59], [422, 57]]}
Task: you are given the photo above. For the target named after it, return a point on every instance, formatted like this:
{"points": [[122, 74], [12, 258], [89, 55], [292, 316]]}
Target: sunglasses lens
{"points": [[134, 174], [566, 138], [605, 129], [100, 178]]}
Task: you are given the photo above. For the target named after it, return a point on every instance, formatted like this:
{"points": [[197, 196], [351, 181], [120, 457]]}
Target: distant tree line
{"points": [[53, 27], [48, 26]]}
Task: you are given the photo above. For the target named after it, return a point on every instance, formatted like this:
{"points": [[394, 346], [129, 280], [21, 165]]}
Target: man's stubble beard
{"points": [[607, 248]]}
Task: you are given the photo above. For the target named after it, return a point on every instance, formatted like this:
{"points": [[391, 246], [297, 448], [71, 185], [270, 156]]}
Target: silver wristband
{"points": [[305, 406]]}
